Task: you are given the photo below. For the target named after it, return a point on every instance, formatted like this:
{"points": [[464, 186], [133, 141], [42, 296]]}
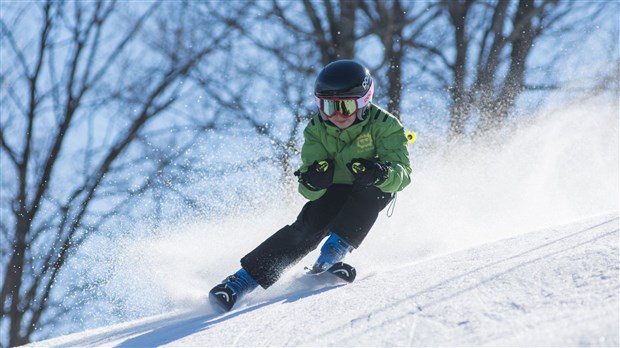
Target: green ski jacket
{"points": [[380, 136]]}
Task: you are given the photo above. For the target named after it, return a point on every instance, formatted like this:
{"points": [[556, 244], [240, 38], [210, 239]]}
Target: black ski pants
{"points": [[347, 210]]}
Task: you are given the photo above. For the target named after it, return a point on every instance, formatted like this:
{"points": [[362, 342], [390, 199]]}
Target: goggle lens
{"points": [[345, 107]]}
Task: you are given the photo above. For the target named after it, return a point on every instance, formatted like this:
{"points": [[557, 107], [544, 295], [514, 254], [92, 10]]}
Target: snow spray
{"points": [[561, 167]]}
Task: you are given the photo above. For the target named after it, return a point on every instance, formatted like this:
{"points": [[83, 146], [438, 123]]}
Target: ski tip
{"points": [[343, 271], [222, 298]]}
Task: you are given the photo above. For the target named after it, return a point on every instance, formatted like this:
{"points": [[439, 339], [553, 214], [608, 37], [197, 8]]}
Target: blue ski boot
{"points": [[333, 251], [224, 295]]}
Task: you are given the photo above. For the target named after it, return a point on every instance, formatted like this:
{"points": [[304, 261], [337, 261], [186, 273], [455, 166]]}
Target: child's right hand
{"points": [[319, 175]]}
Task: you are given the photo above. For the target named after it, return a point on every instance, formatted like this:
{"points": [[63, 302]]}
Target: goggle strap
{"points": [[361, 102]]}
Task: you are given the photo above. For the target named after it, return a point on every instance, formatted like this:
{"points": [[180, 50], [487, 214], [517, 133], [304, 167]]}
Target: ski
{"points": [[342, 270], [222, 298]]}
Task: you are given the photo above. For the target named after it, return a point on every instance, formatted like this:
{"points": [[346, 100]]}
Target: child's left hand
{"points": [[368, 172]]}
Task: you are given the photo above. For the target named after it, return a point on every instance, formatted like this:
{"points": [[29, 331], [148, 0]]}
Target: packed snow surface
{"points": [[552, 287], [512, 244]]}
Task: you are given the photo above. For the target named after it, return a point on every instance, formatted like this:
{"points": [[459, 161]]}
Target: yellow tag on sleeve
{"points": [[411, 137]]}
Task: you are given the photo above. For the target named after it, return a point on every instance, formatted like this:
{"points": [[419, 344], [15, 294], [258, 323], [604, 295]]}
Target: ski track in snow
{"points": [[554, 287]]}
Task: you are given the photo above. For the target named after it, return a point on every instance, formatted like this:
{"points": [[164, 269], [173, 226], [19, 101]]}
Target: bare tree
{"points": [[480, 54], [477, 50], [79, 97], [337, 27], [285, 55], [396, 23], [326, 33]]}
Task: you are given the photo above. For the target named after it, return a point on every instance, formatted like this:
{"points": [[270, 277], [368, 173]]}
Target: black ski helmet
{"points": [[344, 79]]}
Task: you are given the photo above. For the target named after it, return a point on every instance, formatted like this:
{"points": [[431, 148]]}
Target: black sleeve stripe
{"points": [[385, 118], [377, 113]]}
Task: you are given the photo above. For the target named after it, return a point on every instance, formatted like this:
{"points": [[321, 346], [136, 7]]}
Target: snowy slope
{"points": [[553, 287], [452, 266]]}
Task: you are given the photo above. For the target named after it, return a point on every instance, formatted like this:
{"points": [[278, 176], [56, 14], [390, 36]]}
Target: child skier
{"points": [[355, 159]]}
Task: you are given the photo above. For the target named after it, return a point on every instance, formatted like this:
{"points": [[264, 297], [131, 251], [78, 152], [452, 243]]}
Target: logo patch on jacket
{"points": [[364, 142]]}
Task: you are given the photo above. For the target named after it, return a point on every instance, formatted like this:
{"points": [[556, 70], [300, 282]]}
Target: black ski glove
{"points": [[319, 175], [367, 172]]}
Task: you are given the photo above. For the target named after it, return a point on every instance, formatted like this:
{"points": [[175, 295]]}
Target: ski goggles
{"points": [[345, 107]]}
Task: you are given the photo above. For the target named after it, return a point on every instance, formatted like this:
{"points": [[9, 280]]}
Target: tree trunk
{"points": [[461, 102], [494, 109]]}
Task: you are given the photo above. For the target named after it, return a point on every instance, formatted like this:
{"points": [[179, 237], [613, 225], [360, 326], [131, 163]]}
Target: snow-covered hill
{"points": [[553, 287], [454, 265]]}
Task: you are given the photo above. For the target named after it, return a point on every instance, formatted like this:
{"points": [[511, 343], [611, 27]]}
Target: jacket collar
{"points": [[349, 133]]}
